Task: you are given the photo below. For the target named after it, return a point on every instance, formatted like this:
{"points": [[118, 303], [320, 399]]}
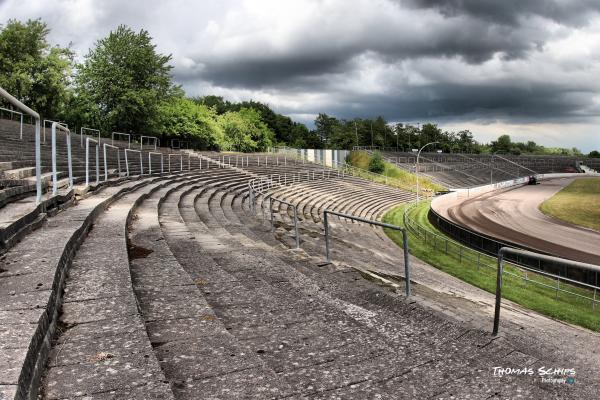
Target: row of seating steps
{"points": [[170, 286]]}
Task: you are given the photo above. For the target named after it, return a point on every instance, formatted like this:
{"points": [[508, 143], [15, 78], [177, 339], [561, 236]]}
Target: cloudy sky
{"points": [[527, 68]]}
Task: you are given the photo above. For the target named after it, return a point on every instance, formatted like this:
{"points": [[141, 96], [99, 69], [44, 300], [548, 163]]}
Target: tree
{"points": [[186, 119], [594, 154], [324, 127], [502, 144], [31, 70], [244, 131], [127, 80]]}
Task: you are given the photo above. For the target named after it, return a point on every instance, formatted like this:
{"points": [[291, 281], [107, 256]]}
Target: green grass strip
{"points": [[480, 271]]}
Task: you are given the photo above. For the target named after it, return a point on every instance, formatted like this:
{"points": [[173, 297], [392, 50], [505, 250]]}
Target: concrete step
{"points": [[199, 352], [103, 345]]}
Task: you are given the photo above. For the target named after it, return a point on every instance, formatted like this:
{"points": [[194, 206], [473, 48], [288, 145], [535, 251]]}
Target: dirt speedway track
{"points": [[513, 215]]}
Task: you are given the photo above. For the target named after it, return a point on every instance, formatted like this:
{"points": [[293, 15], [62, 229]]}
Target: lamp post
{"points": [[417, 170]]}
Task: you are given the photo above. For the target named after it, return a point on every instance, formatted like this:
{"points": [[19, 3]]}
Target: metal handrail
{"points": [[50, 121], [150, 153], [113, 134], [81, 134], [180, 160], [87, 160], [517, 252], [38, 157], [15, 112], [371, 222], [104, 146], [148, 137], [257, 186], [69, 159], [127, 161]]}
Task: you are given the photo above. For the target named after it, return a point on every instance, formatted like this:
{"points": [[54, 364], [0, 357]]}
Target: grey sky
{"points": [[527, 68]]}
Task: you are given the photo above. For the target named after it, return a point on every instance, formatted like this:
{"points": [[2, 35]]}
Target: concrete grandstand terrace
{"points": [[468, 170], [173, 288]]}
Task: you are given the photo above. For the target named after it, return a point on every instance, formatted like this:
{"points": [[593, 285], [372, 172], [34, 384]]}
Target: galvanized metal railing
{"points": [[118, 134], [38, 158], [18, 113], [69, 160], [517, 252], [180, 155], [150, 153], [104, 147], [371, 222], [149, 138], [81, 134], [127, 161], [261, 184], [50, 122], [87, 161]]}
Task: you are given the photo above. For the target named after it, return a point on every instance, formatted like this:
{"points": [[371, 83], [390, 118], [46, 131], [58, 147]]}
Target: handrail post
{"points": [[326, 223], [54, 178], [87, 163], [406, 261], [105, 163], [296, 227], [97, 163], [271, 212], [498, 292], [69, 160]]}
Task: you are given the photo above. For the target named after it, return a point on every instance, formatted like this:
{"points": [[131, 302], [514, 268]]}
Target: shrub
{"points": [[376, 164]]}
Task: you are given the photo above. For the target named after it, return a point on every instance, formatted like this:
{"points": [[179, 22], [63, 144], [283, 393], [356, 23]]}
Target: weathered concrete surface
{"points": [[199, 357], [103, 347]]}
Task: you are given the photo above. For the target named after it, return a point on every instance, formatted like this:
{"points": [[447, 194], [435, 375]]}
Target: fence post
{"points": [[406, 261], [271, 211]]}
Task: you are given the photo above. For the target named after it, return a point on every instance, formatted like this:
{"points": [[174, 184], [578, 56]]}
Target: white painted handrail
{"points": [[81, 134], [104, 146], [150, 153], [38, 158], [69, 161], [113, 134], [180, 160], [15, 112], [87, 161], [127, 161]]}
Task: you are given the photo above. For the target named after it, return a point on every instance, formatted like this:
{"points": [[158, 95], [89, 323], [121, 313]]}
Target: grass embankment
{"points": [[402, 178], [577, 203], [464, 265]]}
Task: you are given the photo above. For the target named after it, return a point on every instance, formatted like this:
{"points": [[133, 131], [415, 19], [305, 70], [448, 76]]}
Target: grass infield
{"points": [[578, 203]]}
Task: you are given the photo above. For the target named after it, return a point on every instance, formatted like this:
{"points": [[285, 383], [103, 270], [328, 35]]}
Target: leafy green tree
{"points": [[31, 69], [594, 154], [127, 80], [244, 131], [186, 119]]}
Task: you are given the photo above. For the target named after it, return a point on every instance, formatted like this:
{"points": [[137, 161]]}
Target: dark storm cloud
{"points": [[516, 12]]}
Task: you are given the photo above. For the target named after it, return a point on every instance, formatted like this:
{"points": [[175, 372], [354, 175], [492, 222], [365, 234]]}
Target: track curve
{"points": [[513, 215]]}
